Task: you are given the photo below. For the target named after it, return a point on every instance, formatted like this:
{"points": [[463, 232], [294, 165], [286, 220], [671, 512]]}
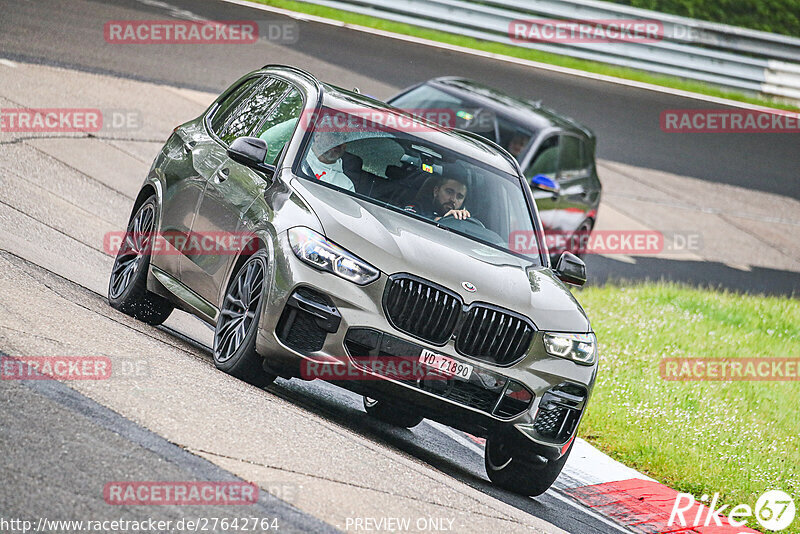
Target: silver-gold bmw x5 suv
{"points": [[325, 234]]}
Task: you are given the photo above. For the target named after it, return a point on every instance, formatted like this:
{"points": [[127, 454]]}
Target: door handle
{"points": [[223, 174]]}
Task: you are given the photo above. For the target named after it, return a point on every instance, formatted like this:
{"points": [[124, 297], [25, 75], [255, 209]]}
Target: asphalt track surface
{"points": [[625, 119], [99, 445], [70, 34], [58, 447]]}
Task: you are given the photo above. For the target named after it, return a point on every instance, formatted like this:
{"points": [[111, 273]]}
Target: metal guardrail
{"points": [[719, 54]]}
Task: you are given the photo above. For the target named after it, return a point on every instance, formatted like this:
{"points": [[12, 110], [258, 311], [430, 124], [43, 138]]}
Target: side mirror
{"points": [[250, 151], [542, 182], [570, 269]]}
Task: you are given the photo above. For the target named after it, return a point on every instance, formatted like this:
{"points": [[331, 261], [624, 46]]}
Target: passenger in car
{"points": [[325, 159], [517, 144]]}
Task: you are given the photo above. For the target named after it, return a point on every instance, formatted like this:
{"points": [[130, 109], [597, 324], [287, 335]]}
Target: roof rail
{"points": [[478, 137], [297, 70]]}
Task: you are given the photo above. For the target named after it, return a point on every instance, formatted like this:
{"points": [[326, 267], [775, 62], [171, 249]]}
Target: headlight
{"points": [[320, 253], [581, 348]]}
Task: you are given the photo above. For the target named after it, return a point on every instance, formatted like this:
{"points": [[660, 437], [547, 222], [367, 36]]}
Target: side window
{"points": [[228, 105], [252, 110], [513, 138], [546, 159], [571, 157], [279, 125]]}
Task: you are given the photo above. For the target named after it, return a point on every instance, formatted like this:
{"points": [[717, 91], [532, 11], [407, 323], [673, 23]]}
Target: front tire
{"points": [[127, 285], [519, 470], [237, 324], [391, 414]]}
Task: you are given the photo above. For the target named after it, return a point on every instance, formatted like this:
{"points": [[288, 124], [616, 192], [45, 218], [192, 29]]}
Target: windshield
{"points": [[467, 115], [410, 174]]}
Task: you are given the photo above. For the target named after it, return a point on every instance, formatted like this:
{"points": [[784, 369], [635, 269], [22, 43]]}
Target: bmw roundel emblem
{"points": [[468, 286]]}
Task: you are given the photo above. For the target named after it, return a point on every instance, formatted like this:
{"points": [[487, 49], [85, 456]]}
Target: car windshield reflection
{"points": [[364, 156]]}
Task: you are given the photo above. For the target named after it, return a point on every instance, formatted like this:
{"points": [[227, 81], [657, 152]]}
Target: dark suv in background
{"points": [[555, 152]]}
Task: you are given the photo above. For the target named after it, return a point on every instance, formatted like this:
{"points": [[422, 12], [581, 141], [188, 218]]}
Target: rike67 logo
{"points": [[774, 510]]}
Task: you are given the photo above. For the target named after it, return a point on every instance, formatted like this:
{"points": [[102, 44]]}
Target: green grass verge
{"points": [[523, 53], [776, 16], [737, 438]]}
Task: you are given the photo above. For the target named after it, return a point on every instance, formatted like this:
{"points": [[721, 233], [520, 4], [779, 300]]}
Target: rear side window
{"points": [[251, 111], [546, 159], [280, 124], [572, 154], [230, 102], [426, 97], [513, 137]]}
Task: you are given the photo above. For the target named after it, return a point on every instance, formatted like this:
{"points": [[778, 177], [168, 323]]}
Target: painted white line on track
{"points": [[585, 449], [508, 59], [586, 510], [471, 445], [584, 454], [625, 258], [8, 63], [589, 465]]}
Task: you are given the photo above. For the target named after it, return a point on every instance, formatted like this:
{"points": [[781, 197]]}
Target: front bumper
{"points": [[316, 320]]}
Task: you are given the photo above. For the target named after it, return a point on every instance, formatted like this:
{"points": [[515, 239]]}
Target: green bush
{"points": [[776, 16]]}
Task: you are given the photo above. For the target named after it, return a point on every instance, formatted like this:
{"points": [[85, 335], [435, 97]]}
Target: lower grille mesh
{"points": [[482, 391]]}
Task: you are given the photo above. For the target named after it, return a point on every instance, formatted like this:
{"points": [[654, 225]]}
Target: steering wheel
{"points": [[447, 220], [472, 227]]}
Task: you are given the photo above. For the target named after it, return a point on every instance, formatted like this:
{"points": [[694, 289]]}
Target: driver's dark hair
{"points": [[456, 173], [424, 196]]}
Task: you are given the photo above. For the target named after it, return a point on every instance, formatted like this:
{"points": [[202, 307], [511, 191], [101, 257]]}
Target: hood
{"points": [[397, 243]]}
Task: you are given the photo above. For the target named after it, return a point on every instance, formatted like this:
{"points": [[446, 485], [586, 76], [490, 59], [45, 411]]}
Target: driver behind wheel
{"points": [[447, 198]]}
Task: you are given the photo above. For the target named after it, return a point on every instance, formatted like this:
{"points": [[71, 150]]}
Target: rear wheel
{"points": [[580, 238], [127, 285], [518, 470], [391, 414], [237, 324], [576, 244]]}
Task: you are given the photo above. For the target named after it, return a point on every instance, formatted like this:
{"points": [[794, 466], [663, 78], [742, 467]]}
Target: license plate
{"points": [[445, 364]]}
